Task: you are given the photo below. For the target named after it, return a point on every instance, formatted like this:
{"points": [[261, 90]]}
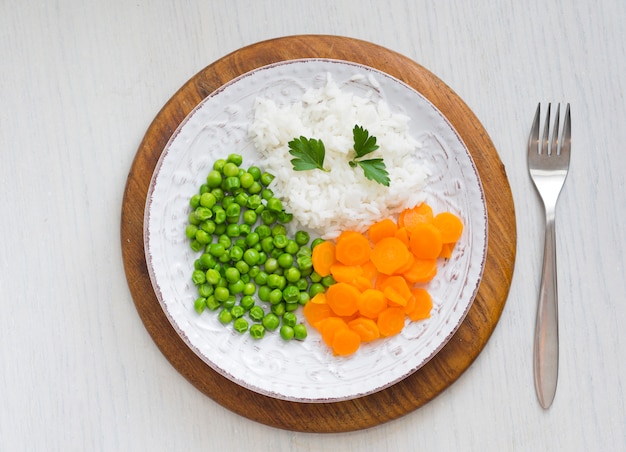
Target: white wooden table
{"points": [[81, 82]]}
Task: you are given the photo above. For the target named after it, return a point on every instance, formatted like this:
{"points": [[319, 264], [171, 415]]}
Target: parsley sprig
{"points": [[364, 144], [309, 154]]}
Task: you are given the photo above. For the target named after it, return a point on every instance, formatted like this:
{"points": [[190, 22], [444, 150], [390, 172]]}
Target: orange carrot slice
{"points": [[366, 328], [425, 241], [382, 229], [391, 321], [323, 257], [422, 305], [449, 225], [389, 255], [346, 342], [352, 248], [343, 298], [371, 303]]}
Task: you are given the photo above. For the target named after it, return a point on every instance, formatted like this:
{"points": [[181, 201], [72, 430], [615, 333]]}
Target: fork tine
{"points": [[554, 145], [533, 138], [546, 130], [566, 139]]}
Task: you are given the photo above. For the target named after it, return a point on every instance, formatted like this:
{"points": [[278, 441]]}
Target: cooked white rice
{"points": [[341, 199]]}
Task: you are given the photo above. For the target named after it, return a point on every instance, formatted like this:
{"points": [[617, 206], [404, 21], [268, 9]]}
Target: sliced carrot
{"points": [[329, 327], [446, 250], [425, 242], [422, 304], [403, 235], [346, 342], [394, 298], [390, 321], [407, 266], [422, 213], [399, 285], [389, 255], [345, 273], [362, 283], [450, 226], [353, 248], [366, 328], [343, 298], [380, 281], [422, 270], [316, 311], [371, 303], [323, 257], [369, 270], [382, 229]]}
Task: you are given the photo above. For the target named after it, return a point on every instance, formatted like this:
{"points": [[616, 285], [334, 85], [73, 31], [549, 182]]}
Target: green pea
{"points": [[212, 276], [255, 188], [244, 229], [225, 316], [200, 305], [271, 321], [220, 216], [285, 260], [230, 170], [256, 313], [232, 183], [251, 256], [275, 204], [214, 179], [267, 194], [198, 277], [203, 213], [316, 242], [273, 281], [291, 294], [286, 332], [212, 303], [240, 325], [236, 287], [218, 193], [264, 293], [232, 274], [216, 249], [249, 289], [232, 230], [218, 165], [252, 238], [233, 210], [203, 237], [280, 241], [292, 247], [237, 159], [221, 294], [247, 302], [257, 331], [271, 265], [237, 311], [246, 180], [267, 244], [205, 290], [255, 172], [300, 332], [315, 289], [268, 217], [208, 226], [290, 307], [194, 201], [263, 230], [204, 188], [236, 253], [249, 217], [305, 263], [292, 273], [243, 267], [284, 217], [266, 178], [190, 231], [193, 219], [290, 319], [279, 308], [279, 229], [207, 200], [230, 302], [328, 281], [302, 238], [304, 298], [261, 278], [196, 246]]}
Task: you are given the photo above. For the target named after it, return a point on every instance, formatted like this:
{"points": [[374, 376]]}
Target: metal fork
{"points": [[548, 164]]}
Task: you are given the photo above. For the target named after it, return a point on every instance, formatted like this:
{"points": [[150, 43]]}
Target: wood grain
{"points": [[415, 390]]}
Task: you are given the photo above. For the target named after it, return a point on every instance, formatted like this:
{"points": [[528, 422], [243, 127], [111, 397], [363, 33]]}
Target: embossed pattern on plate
{"points": [[306, 371]]}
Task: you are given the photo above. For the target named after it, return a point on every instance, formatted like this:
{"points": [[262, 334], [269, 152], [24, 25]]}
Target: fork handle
{"points": [[546, 348]]}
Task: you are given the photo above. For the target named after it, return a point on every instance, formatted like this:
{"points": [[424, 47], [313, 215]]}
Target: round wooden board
{"points": [[418, 388]]}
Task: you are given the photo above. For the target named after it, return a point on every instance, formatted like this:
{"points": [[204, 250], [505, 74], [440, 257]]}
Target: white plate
{"points": [[307, 371]]}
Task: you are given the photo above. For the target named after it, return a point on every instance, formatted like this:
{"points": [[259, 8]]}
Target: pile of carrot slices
{"points": [[379, 277]]}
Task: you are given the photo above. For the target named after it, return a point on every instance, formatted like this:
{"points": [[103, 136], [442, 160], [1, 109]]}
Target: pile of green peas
{"points": [[249, 270]]}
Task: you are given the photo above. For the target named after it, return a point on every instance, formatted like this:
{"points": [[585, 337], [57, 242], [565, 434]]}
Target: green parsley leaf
{"points": [[309, 154], [375, 169], [363, 142]]}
